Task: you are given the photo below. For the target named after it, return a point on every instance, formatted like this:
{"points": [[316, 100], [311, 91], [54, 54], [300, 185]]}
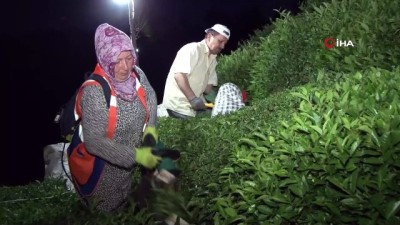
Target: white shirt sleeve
{"points": [[184, 59], [213, 78]]}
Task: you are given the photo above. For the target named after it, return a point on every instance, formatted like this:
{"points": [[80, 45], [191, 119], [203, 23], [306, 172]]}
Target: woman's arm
{"points": [[94, 123]]}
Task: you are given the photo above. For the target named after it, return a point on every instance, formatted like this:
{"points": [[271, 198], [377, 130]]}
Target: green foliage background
{"points": [[320, 143]]}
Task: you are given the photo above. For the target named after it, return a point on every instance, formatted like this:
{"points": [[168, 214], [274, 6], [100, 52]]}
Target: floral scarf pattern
{"points": [[109, 43]]}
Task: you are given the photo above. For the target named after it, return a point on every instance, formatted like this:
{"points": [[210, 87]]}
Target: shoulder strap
{"points": [[110, 101], [141, 93], [136, 73], [104, 84]]}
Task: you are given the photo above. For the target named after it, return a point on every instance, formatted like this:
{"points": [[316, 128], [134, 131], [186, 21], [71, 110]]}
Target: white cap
{"points": [[221, 29]]}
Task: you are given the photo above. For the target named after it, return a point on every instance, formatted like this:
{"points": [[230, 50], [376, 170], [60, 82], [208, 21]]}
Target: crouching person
{"points": [[193, 74], [229, 99]]}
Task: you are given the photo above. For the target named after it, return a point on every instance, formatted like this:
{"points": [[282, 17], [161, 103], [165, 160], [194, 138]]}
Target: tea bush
{"points": [[236, 67], [205, 144], [294, 51], [336, 161], [34, 203], [318, 145]]}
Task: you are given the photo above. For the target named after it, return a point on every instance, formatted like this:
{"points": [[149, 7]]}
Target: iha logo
{"points": [[331, 42]]}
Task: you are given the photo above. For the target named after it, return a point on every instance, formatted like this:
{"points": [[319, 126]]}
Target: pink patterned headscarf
{"points": [[109, 43]]}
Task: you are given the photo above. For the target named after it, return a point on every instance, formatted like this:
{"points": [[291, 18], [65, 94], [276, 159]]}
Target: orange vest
{"points": [[87, 169]]}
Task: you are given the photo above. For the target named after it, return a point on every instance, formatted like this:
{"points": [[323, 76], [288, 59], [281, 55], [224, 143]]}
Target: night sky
{"points": [[48, 45]]}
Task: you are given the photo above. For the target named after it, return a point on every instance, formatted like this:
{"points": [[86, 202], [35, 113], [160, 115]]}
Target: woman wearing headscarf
{"points": [[114, 139]]}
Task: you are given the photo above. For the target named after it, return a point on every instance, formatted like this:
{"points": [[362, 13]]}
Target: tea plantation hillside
{"points": [[318, 144]]}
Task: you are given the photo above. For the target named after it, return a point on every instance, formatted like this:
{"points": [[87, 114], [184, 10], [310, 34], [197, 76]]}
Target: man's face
{"points": [[216, 42]]}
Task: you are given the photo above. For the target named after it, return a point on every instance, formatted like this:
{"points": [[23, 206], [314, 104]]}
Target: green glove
{"points": [[145, 157], [211, 96], [169, 165], [169, 156], [150, 136], [160, 145]]}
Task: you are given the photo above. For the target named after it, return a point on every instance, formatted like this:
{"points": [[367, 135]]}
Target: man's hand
{"points": [[183, 84], [197, 104]]}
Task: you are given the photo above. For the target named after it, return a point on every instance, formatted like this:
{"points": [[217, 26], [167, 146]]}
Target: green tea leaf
{"points": [[300, 95], [246, 161], [278, 197], [264, 210], [235, 219], [351, 202], [318, 10], [353, 180], [365, 26], [271, 139], [354, 147], [249, 142], [316, 128], [381, 176], [373, 161], [371, 153], [260, 135], [297, 190], [395, 137], [337, 184], [281, 173], [392, 208], [262, 149], [333, 208], [231, 212], [287, 181]]}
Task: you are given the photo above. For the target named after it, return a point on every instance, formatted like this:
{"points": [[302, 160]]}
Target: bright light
{"points": [[121, 2]]}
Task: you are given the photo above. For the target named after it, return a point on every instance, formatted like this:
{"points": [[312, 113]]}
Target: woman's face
{"points": [[123, 66]]}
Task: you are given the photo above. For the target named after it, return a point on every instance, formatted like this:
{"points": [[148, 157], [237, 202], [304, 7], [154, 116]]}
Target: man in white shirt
{"points": [[193, 74]]}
